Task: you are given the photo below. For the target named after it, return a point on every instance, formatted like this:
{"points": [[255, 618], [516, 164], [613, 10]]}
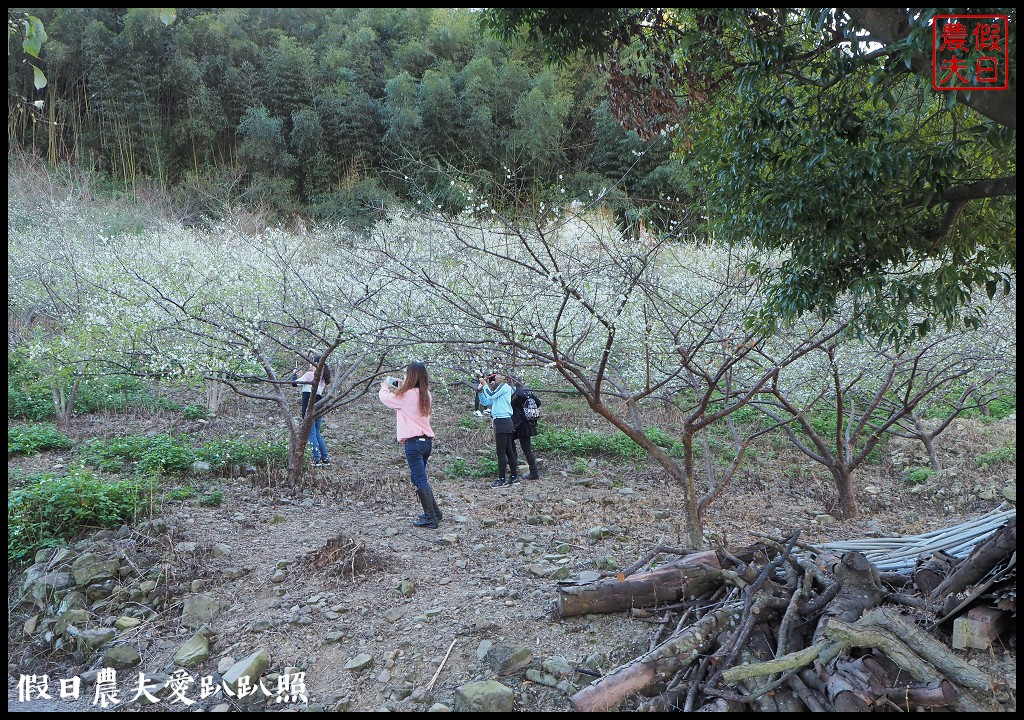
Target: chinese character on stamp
{"points": [[970, 52]]}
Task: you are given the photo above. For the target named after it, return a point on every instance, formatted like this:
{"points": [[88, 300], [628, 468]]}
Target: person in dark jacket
{"points": [[525, 428]]}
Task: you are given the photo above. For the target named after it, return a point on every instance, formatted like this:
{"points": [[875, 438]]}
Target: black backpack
{"points": [[531, 408]]}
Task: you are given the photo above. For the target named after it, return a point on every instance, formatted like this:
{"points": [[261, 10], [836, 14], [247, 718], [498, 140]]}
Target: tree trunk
{"points": [[844, 484], [926, 438], [694, 526], [214, 396], [933, 457]]}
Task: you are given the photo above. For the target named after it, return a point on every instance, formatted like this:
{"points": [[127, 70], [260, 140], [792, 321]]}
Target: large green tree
{"points": [[818, 137]]}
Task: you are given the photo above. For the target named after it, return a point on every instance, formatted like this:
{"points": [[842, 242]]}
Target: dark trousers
{"points": [[505, 444], [528, 453]]}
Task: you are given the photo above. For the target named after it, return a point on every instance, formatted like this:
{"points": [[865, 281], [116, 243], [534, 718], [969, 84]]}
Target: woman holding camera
{"points": [[411, 402], [497, 394]]}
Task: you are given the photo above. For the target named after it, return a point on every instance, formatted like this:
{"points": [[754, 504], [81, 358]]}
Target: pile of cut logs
{"points": [[785, 626]]}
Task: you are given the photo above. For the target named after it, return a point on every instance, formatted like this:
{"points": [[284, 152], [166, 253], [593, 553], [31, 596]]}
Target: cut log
{"points": [[922, 696], [867, 635], [851, 683], [844, 650], [931, 571], [810, 698], [934, 651], [859, 591], [659, 665], [687, 578]]}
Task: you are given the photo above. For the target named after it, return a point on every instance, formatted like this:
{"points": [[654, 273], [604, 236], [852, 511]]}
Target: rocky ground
{"points": [[332, 581]]}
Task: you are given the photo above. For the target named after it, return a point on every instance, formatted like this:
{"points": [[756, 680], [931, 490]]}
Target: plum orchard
{"points": [[621, 320]]}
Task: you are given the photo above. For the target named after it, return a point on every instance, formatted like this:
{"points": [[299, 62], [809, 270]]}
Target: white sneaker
{"points": [[477, 413]]}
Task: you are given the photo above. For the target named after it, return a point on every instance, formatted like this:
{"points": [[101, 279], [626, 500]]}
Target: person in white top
{"points": [[316, 439]]}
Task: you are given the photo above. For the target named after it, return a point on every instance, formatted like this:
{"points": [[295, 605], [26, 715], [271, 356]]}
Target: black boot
{"points": [[437, 511], [429, 518]]}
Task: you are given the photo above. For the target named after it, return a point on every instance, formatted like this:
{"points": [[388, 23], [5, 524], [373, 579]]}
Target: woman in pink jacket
{"points": [[411, 402]]}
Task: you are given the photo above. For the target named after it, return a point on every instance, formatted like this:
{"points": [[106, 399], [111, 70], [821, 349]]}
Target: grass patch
{"points": [[212, 499], [30, 398], [33, 438], [181, 493], [174, 454], [999, 455], [486, 468], [918, 475], [459, 469], [50, 510], [574, 443], [260, 453], [195, 412], [139, 454]]}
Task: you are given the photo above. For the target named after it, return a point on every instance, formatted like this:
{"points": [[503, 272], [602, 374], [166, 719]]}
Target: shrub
{"points": [[224, 453], [212, 499], [1002, 407], [571, 442], [195, 412], [999, 455], [33, 403], [156, 454], [175, 454], [30, 439], [50, 509], [32, 399], [488, 468], [116, 393], [660, 437], [459, 469], [181, 493], [916, 476]]}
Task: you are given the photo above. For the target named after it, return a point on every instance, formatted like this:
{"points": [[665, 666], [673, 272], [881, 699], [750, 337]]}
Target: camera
{"points": [[393, 382]]}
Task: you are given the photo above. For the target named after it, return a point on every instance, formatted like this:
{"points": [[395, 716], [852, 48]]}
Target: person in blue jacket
{"points": [[496, 393]]}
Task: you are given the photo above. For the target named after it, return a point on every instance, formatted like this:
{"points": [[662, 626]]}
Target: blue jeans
{"points": [[417, 450], [316, 440]]}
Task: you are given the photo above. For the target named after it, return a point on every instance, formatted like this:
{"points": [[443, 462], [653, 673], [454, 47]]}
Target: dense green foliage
{"points": [[1001, 455], [31, 439], [171, 454], [310, 111], [572, 443], [819, 138], [51, 509], [30, 393]]}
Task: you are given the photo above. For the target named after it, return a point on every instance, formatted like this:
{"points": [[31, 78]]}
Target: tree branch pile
{"points": [[784, 626]]}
